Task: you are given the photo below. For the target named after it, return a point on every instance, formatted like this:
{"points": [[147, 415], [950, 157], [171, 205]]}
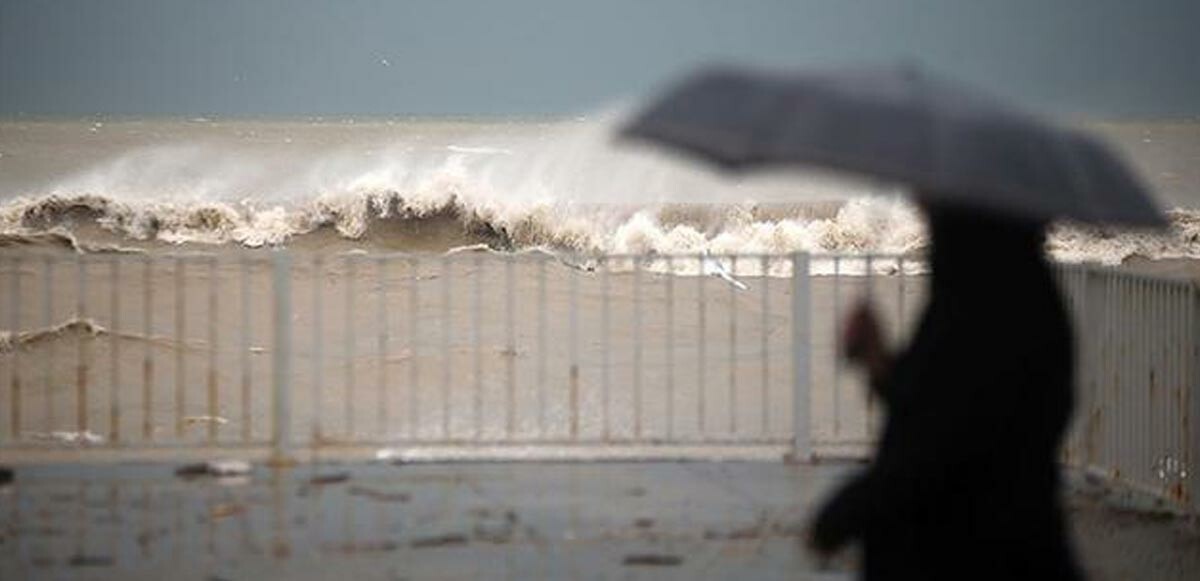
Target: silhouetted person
{"points": [[965, 481]]}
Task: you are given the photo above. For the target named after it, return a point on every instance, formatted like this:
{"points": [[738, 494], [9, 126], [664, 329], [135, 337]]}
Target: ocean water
{"points": [[431, 185]]}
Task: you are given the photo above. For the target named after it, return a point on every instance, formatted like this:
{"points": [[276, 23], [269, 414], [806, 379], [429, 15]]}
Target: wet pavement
{"points": [[415, 521], [479, 520]]}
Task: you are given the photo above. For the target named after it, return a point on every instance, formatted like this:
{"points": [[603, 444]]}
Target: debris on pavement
{"points": [[217, 468], [330, 478], [756, 530], [81, 438], [90, 561], [652, 560], [388, 455], [226, 510], [494, 528], [380, 495], [191, 421], [447, 540]]}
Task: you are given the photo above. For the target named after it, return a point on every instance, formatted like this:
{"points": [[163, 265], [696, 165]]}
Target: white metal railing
{"points": [[644, 355], [534, 355], [132, 350], [1137, 398]]}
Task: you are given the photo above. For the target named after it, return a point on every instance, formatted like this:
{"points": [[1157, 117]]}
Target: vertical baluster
{"points": [[318, 347], [573, 371], [180, 346], [1126, 361], [1134, 372], [447, 342], [669, 281], [837, 347], [245, 337], [83, 346], [902, 300], [214, 405], [114, 351], [49, 360], [733, 360], [148, 348], [1180, 382], [14, 324], [381, 345], [1113, 407], [1190, 399], [1174, 405], [701, 347], [1154, 353], [348, 347], [510, 346], [541, 347], [637, 347], [414, 340], [1145, 356], [764, 421], [605, 347], [1168, 315], [801, 357], [870, 297], [1155, 348], [477, 346], [281, 360], [1106, 392]]}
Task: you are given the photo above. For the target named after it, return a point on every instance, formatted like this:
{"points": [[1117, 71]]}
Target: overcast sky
{"points": [[1101, 58]]}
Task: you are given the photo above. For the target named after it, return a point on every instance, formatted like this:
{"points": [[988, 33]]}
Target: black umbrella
{"points": [[947, 141]]}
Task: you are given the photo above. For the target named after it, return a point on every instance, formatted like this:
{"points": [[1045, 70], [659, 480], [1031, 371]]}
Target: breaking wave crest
{"points": [[390, 219], [383, 217]]}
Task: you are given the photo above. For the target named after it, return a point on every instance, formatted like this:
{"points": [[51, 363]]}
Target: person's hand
{"points": [[821, 546], [862, 340], [822, 555]]}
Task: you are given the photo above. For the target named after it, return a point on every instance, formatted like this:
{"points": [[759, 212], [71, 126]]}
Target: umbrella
{"points": [[948, 141]]}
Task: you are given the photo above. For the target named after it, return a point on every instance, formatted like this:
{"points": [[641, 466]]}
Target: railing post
{"points": [[1191, 456], [801, 352], [281, 360]]}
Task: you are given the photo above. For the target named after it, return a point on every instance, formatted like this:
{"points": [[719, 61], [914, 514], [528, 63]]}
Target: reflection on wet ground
{"points": [[459, 521]]}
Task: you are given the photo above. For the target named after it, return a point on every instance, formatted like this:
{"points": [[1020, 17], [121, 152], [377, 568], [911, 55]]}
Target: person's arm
{"points": [[958, 411], [904, 481], [863, 344]]}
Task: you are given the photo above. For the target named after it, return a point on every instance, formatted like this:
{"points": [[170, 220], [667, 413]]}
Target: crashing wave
{"points": [[563, 188], [859, 226]]}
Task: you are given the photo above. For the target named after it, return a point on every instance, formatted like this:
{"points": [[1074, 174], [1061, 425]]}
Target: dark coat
{"points": [[965, 481]]}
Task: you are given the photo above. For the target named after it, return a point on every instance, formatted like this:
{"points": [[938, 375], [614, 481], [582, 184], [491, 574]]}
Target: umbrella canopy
{"points": [[947, 141]]}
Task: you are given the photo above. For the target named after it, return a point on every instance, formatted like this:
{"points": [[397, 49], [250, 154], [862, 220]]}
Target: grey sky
{"points": [[528, 57]]}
